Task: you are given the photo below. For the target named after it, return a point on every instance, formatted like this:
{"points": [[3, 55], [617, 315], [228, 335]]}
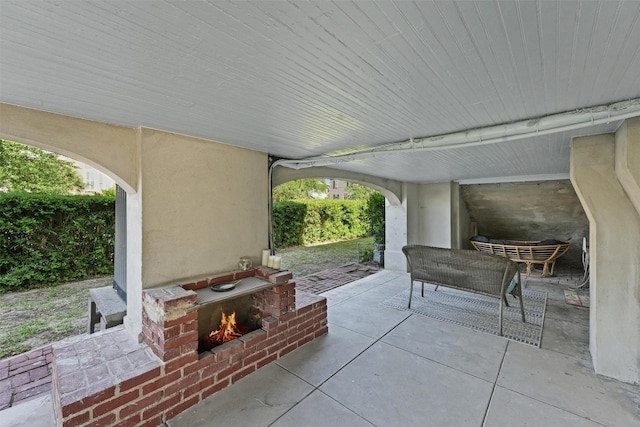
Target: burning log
{"points": [[228, 330]]}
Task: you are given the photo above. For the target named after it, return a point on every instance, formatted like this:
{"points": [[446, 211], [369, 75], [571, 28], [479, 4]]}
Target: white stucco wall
{"points": [[430, 214], [412, 221], [614, 231], [628, 159], [435, 215], [204, 205]]}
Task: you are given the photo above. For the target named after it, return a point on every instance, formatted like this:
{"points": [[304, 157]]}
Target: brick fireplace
{"points": [[110, 379]]}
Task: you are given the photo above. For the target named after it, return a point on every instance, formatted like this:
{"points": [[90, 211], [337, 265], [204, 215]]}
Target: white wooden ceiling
{"points": [[298, 79]]}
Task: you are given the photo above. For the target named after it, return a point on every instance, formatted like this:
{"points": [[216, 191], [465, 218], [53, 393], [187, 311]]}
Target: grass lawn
{"points": [[305, 260], [31, 319]]}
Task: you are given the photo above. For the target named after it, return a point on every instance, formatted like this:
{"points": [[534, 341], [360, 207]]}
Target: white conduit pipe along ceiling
{"points": [[571, 120], [554, 123]]}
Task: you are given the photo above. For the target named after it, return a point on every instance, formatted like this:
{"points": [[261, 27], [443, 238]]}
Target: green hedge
{"points": [[375, 212], [47, 239], [303, 222]]}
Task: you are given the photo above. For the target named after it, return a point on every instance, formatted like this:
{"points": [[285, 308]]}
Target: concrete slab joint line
{"points": [[482, 379]]}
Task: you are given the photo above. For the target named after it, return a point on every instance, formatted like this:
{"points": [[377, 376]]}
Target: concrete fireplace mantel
{"points": [[243, 287]]}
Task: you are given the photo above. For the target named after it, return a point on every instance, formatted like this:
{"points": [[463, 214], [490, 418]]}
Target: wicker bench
{"points": [[528, 252], [464, 269]]}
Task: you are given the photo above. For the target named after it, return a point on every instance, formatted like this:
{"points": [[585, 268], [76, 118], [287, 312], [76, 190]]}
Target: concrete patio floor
{"points": [[385, 367]]}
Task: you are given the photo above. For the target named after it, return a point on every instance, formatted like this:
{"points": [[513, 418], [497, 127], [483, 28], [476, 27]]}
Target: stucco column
{"points": [[400, 223], [133, 319], [430, 214], [628, 159], [614, 228]]}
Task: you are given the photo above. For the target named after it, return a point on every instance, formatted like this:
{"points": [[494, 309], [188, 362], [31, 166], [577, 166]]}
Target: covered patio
{"points": [[198, 109], [384, 367]]}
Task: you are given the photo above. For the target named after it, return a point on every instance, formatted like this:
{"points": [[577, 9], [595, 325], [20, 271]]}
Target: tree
{"points": [[29, 169], [360, 192], [299, 189]]}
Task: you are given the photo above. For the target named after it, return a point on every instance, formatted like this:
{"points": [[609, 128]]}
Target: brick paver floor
{"points": [[328, 279], [25, 376]]}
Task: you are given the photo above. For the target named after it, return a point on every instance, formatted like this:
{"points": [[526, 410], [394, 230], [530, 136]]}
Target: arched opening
{"points": [[391, 189], [324, 223], [59, 247], [395, 215]]}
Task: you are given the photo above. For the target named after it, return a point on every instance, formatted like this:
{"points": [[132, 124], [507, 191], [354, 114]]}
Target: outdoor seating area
{"points": [[226, 128], [386, 367], [466, 270], [529, 252]]}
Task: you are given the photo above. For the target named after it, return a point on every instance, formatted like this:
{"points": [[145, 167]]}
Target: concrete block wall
{"points": [[535, 210]]}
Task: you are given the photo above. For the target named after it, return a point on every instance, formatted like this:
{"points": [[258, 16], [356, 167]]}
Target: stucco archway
{"points": [[391, 189], [395, 212], [110, 149]]}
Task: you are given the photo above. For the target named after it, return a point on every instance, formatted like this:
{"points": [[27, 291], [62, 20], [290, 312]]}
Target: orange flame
{"points": [[228, 329]]}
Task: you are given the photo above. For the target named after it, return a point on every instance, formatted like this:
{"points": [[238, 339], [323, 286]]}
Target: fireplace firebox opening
{"points": [[221, 322]]}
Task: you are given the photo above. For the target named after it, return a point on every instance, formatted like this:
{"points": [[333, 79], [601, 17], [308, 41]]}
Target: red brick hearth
{"points": [[110, 379]]}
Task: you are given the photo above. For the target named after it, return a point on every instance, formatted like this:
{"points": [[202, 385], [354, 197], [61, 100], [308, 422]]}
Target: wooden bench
{"points": [[526, 251], [105, 307], [464, 269]]}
